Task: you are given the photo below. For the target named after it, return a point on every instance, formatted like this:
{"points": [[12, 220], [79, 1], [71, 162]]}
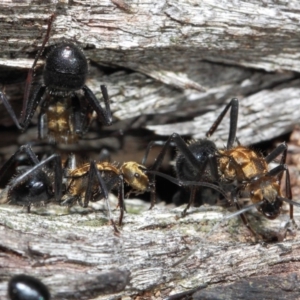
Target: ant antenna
{"points": [[227, 217], [30, 72]]}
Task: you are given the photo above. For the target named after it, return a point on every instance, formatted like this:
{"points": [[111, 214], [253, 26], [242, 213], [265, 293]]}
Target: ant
{"points": [[33, 185], [94, 180], [63, 112], [236, 169], [25, 287]]}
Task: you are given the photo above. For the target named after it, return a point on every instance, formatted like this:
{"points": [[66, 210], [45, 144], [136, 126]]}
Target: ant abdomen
{"points": [[34, 190], [66, 68], [24, 287]]}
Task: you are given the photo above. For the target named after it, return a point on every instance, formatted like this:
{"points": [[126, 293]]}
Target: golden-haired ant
{"points": [[236, 170]]}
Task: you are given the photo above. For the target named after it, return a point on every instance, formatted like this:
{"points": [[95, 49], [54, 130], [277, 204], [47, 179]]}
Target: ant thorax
{"points": [[78, 178]]}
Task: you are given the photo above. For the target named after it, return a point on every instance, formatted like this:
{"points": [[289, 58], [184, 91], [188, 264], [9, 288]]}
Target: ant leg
{"points": [[28, 109], [184, 149], [213, 165], [120, 197], [282, 148], [79, 113], [58, 175], [106, 101], [234, 196], [234, 104], [187, 183], [119, 179], [277, 170], [10, 110], [95, 174], [30, 105], [104, 115], [25, 117], [76, 113], [69, 201], [23, 149], [42, 128], [149, 147], [288, 192], [193, 190], [92, 176]]}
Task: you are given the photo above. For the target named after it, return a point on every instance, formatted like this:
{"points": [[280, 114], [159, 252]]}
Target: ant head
{"points": [[268, 191], [135, 176], [27, 287], [271, 210], [66, 68]]}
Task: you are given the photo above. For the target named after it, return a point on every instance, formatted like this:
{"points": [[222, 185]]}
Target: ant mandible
{"points": [[237, 169], [68, 116], [33, 185]]}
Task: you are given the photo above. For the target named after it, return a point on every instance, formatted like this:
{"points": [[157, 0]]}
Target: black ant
{"points": [[236, 169], [25, 287], [63, 113], [33, 184]]}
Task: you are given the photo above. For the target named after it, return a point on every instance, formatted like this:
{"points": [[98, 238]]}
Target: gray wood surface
{"points": [[186, 58], [173, 65], [70, 252]]}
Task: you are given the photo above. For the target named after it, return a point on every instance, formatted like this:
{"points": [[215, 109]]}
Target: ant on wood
{"points": [[41, 181], [94, 180], [237, 170], [34, 184], [27, 287], [64, 114]]}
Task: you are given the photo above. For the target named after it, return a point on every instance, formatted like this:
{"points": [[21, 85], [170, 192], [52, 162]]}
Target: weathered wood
{"points": [[251, 34], [168, 61], [182, 44], [62, 248]]}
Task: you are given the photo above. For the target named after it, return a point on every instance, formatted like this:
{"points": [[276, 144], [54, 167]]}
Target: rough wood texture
{"points": [[175, 50], [168, 61], [71, 252]]}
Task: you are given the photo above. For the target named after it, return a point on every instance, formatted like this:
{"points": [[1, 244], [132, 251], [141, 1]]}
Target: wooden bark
{"points": [[72, 252], [185, 58], [172, 62]]}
